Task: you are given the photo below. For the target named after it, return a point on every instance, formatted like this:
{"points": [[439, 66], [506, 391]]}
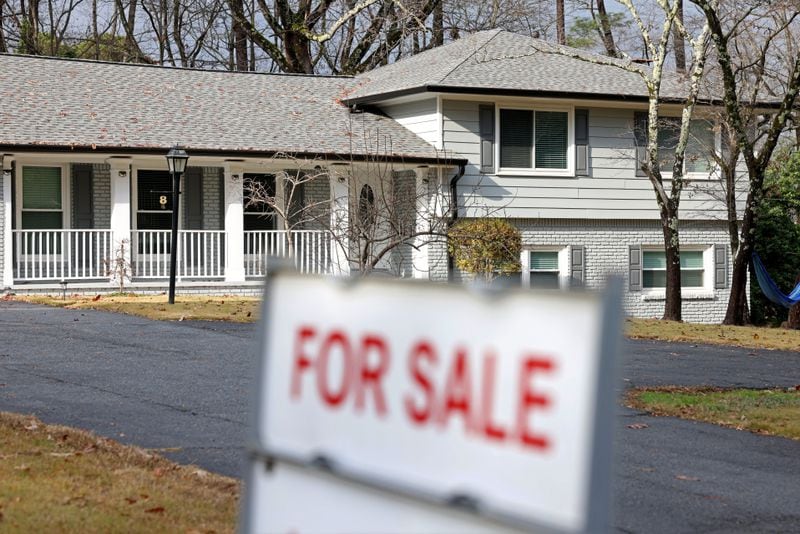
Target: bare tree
{"points": [[750, 71], [667, 190]]}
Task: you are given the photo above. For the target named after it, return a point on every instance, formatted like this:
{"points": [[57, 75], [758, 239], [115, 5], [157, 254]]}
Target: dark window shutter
{"points": [[486, 127], [83, 210], [720, 266], [577, 266], [635, 267], [192, 198], [640, 136], [582, 142]]}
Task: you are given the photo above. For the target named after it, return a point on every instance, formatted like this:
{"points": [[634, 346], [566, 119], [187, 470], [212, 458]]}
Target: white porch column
{"points": [[423, 214], [121, 208], [7, 237], [340, 218], [234, 223]]}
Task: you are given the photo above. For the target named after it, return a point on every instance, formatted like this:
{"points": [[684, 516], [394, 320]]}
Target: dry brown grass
{"points": [[741, 336], [58, 479], [186, 308]]}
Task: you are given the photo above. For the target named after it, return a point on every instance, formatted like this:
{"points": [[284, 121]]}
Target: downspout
{"points": [[462, 168]]}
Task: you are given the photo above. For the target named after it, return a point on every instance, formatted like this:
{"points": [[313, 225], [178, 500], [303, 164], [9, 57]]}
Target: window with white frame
{"points": [[544, 269], [534, 140], [654, 269], [700, 147], [42, 198]]}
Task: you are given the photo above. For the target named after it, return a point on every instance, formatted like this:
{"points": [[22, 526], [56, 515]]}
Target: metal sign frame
{"points": [[598, 514]]}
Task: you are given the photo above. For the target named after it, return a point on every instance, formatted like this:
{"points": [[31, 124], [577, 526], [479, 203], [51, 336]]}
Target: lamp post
{"points": [[176, 160]]}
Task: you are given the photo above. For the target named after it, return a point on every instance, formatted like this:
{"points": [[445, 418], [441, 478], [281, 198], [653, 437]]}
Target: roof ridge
{"points": [[497, 31], [171, 67]]}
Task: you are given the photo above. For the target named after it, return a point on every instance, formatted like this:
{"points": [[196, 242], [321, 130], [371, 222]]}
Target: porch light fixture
{"points": [[176, 160]]}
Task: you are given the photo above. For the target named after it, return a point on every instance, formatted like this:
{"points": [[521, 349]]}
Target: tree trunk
{"points": [[678, 42], [672, 305], [3, 48], [239, 39], [95, 32], [605, 27], [298, 53], [793, 321], [438, 23], [560, 27], [736, 314]]}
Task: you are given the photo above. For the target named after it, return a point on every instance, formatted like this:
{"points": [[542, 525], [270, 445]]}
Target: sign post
{"points": [[416, 407]]}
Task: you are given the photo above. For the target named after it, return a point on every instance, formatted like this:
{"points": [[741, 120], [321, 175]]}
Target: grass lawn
{"points": [[58, 479], [742, 336], [769, 411], [186, 308]]}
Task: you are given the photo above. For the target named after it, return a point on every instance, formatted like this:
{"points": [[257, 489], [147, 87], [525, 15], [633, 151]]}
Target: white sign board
{"points": [[500, 401]]}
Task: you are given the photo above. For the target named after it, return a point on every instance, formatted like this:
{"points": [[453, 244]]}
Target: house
{"points": [[494, 124]]}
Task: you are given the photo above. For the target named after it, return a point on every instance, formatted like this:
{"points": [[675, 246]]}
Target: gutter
{"points": [[156, 150], [462, 168]]}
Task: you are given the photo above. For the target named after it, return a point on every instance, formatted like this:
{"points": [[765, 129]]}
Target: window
{"points": [[153, 200], [366, 208], [654, 269], [42, 204], [258, 215], [700, 147], [544, 269], [534, 139]]}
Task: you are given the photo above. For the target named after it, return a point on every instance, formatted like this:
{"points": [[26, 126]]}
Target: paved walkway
{"points": [[187, 385]]}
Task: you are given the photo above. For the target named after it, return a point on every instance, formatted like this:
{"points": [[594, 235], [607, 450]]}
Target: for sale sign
{"points": [[497, 402]]}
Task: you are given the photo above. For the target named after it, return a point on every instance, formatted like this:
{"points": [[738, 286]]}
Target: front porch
{"points": [[86, 220]]}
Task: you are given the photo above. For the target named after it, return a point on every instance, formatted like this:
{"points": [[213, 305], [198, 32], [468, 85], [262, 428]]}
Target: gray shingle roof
{"points": [[65, 103], [500, 60]]}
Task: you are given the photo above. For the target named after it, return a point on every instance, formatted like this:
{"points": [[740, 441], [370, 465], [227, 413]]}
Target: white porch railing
{"points": [[201, 253], [311, 250], [42, 255]]}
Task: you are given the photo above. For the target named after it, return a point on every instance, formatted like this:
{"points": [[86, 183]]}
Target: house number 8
{"points": [[163, 201]]}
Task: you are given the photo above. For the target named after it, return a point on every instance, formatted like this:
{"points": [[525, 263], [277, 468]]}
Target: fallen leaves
{"points": [[687, 477], [638, 426]]}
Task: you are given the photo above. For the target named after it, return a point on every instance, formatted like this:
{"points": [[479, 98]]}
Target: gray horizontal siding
{"points": [[420, 117], [611, 190]]}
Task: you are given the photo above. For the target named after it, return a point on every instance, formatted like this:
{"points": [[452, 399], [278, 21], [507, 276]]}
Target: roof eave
{"points": [[489, 91], [232, 154]]}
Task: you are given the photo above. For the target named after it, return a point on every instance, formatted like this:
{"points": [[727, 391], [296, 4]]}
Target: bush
{"points": [[485, 247]]}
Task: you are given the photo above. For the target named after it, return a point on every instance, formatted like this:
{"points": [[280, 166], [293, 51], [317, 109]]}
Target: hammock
{"points": [[771, 289]]}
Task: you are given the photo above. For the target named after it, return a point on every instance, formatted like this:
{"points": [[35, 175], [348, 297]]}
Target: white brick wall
{"points": [[212, 205], [404, 193], [606, 244], [101, 191]]}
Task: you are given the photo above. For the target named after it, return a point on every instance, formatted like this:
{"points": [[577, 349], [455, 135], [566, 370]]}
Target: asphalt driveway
{"points": [[184, 388]]}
